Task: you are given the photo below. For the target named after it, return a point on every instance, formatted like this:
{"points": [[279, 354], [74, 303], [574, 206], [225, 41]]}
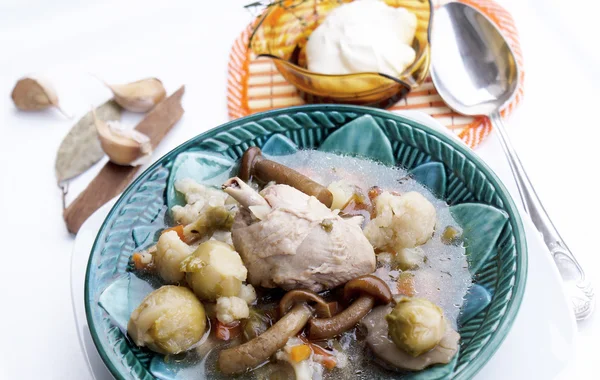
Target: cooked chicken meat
{"points": [[291, 240]]}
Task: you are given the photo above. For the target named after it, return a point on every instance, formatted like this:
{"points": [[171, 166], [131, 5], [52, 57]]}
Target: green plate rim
{"points": [[514, 304]]}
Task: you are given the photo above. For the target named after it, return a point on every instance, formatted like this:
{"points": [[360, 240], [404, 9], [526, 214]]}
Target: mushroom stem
{"points": [[255, 165], [325, 328], [241, 192], [251, 354], [369, 290]]}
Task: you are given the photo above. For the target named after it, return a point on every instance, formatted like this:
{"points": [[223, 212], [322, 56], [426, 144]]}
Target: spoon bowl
{"points": [[477, 71], [474, 70]]}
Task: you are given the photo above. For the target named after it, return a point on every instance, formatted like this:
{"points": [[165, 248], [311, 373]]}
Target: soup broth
{"points": [[442, 278]]}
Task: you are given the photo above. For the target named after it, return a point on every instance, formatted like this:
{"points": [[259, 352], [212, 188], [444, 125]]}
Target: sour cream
{"points": [[363, 36]]}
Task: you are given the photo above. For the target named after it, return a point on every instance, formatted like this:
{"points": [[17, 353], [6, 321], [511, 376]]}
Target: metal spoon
{"points": [[475, 72]]}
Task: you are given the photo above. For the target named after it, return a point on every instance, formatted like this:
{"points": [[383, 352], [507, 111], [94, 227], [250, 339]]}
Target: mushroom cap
{"points": [[247, 163], [368, 285]]}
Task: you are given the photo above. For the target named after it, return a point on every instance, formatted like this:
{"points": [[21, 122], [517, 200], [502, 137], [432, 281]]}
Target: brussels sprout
{"points": [[416, 325], [214, 270], [169, 320]]}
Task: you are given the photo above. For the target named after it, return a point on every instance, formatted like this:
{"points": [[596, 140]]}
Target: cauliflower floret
{"points": [[403, 221], [409, 258], [224, 236], [385, 259], [230, 309], [188, 213], [170, 252], [247, 293], [306, 369], [194, 192], [198, 197]]}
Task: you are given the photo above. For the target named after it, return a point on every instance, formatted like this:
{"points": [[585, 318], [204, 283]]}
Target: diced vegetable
{"points": [[299, 353], [342, 192], [142, 261], [406, 284], [322, 356], [178, 229], [408, 258], [227, 331], [451, 235], [374, 192]]}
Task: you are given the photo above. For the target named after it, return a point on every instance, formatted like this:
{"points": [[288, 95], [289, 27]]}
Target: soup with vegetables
{"points": [[306, 266]]}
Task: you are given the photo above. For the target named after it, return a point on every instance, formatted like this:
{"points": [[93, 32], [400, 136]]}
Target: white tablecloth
{"points": [[187, 42]]}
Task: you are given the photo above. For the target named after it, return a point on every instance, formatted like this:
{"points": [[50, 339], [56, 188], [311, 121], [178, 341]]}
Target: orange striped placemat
{"points": [[255, 85]]}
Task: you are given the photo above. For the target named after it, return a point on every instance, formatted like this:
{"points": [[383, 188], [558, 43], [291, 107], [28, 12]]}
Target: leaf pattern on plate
{"points": [[141, 234], [433, 176], [361, 137], [482, 225], [477, 299], [279, 145], [121, 297]]}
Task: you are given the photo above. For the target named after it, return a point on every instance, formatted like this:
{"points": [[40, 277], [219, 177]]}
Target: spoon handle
{"points": [[578, 287]]}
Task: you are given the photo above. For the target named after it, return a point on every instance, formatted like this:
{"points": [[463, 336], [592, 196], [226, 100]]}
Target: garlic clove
{"points": [[139, 96], [35, 94], [122, 146]]}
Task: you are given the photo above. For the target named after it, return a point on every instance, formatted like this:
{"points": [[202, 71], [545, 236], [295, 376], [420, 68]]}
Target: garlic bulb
{"points": [[122, 146]]}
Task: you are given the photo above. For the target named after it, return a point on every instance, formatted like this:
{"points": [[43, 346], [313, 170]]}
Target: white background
{"points": [[556, 131]]}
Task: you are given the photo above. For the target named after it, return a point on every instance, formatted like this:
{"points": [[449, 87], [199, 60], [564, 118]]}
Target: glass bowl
{"points": [[281, 33]]}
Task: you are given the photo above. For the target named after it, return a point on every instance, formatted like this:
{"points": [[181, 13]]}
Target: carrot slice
{"points": [[300, 352], [326, 358], [137, 261]]}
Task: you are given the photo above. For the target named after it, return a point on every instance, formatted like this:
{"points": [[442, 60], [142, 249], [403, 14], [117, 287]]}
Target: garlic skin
{"points": [[139, 96], [123, 146], [35, 94]]}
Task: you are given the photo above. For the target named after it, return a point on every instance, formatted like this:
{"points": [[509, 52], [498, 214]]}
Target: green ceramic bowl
{"points": [[492, 227]]}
